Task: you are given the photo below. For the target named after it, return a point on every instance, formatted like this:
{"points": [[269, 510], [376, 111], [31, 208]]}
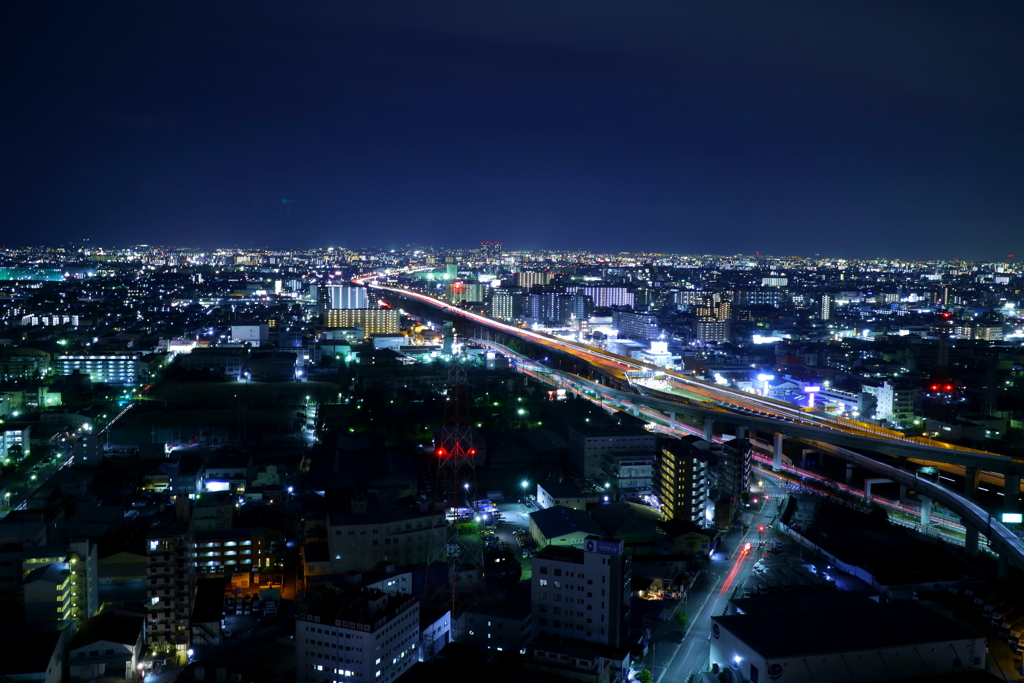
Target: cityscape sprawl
{"points": [[421, 464]]}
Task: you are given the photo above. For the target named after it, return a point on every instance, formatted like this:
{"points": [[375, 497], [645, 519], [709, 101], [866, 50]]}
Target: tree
{"points": [[645, 676], [681, 618]]}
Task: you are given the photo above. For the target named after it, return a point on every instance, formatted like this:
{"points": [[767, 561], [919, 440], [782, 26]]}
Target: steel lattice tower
{"points": [[454, 490]]}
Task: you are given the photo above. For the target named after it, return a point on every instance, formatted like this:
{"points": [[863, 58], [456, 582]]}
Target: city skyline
{"points": [[855, 131]]}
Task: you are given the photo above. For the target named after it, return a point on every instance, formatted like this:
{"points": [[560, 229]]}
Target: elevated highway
{"points": [[974, 517], [705, 400]]}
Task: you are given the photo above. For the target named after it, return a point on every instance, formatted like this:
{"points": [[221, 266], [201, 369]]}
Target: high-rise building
{"points": [[826, 306], [636, 325], [490, 250], [458, 291], [605, 295], [507, 303], [528, 278], [683, 486], [372, 320], [709, 331], [170, 579], [348, 296], [360, 635], [582, 594]]}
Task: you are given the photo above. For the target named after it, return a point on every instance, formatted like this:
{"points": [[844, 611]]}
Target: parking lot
{"points": [[513, 529], [782, 568]]}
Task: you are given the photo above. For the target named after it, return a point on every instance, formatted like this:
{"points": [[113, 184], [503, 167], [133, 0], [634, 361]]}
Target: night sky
{"points": [[855, 129]]}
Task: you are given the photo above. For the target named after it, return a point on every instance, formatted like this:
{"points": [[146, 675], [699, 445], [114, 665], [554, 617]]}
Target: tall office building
{"points": [[582, 594], [348, 296], [683, 482]]}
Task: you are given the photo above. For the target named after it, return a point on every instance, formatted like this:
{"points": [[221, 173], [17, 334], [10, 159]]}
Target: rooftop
{"points": [[561, 521], [865, 626]]}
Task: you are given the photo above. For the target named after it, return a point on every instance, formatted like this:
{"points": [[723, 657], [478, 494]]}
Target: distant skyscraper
{"points": [[490, 250], [826, 307]]}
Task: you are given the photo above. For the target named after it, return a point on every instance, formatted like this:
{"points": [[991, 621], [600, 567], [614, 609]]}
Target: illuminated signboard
{"points": [[1012, 518], [594, 545]]}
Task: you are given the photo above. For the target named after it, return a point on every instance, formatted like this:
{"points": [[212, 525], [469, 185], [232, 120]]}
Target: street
{"points": [[674, 661]]}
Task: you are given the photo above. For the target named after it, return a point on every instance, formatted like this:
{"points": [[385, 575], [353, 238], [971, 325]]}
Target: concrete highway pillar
{"points": [[804, 452], [926, 511], [868, 483], [671, 420], [777, 459], [970, 482], [971, 541], [741, 432], [709, 429], [1003, 572], [849, 472], [1011, 493]]}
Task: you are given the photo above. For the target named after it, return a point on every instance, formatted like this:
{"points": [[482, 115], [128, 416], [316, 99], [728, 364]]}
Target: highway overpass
{"points": [[731, 406]]}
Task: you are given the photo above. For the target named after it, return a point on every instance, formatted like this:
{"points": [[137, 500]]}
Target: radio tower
{"points": [[454, 493]]}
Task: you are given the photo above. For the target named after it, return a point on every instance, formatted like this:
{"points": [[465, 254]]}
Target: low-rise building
{"points": [[360, 541], [109, 645], [561, 525], [360, 635], [505, 628], [895, 640], [108, 368]]}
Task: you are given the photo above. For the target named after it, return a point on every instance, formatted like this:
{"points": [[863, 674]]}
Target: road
{"points": [[714, 588]]}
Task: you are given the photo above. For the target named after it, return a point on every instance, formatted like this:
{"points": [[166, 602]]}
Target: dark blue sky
{"points": [[859, 129]]}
